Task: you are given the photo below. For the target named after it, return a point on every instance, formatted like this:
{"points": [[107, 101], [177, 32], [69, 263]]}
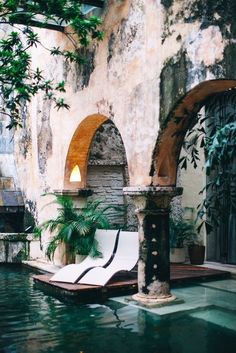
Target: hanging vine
{"points": [[18, 19]]}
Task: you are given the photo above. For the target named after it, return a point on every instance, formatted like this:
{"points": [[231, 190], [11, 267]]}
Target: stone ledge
{"points": [[16, 236], [152, 190], [77, 192]]}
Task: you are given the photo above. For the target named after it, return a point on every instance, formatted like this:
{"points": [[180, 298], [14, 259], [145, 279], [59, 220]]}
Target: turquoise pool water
{"points": [[31, 321]]}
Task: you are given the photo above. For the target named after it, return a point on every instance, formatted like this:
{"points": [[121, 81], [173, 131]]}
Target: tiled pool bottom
{"points": [[33, 322], [197, 296]]}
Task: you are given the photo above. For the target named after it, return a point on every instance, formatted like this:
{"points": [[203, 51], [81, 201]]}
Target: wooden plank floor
{"points": [[124, 283], [185, 273]]}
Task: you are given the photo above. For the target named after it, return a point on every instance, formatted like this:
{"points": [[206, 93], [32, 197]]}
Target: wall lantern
{"points": [[75, 174]]}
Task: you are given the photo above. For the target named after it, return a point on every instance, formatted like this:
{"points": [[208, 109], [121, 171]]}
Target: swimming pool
{"points": [[31, 321]]}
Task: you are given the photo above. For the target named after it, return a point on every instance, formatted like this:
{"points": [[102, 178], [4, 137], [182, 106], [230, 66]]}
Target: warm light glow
{"points": [[75, 174]]}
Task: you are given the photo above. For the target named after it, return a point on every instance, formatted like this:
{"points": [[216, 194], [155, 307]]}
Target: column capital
{"points": [[150, 197]]}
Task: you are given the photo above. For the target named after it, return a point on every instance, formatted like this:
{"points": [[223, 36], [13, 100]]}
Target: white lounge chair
{"points": [[107, 244], [125, 259]]}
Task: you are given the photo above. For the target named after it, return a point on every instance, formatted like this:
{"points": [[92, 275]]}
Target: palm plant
{"points": [[76, 227]]}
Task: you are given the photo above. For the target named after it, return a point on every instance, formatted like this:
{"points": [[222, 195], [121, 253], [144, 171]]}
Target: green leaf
{"points": [[60, 103], [16, 75], [61, 86], [76, 227]]}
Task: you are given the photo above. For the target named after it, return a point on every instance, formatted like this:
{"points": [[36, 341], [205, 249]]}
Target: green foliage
{"points": [[18, 81], [76, 227], [216, 134], [221, 148], [181, 232]]}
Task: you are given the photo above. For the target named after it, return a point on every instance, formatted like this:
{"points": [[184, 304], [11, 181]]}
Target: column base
{"points": [[153, 301]]}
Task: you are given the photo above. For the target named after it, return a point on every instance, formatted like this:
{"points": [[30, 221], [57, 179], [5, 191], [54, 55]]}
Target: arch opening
{"points": [[216, 98], [78, 151], [179, 121], [97, 149]]}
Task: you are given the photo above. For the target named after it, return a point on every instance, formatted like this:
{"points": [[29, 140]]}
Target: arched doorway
{"points": [[153, 201], [78, 151], [107, 173], [221, 242], [98, 150], [180, 119]]}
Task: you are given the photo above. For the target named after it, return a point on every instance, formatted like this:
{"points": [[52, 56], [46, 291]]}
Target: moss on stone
{"points": [[14, 237], [219, 13], [215, 12], [167, 3], [111, 44], [21, 255], [173, 84], [83, 72]]}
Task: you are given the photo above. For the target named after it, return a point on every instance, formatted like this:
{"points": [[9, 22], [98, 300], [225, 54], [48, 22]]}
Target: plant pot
{"points": [[196, 254], [79, 258], [60, 257], [177, 255]]}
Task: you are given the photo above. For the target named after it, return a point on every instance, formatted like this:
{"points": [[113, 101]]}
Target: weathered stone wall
{"points": [[198, 44], [114, 88], [13, 248], [17, 247], [152, 54], [107, 147], [107, 182]]}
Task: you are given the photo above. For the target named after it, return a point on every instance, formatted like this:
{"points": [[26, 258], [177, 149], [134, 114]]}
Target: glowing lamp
{"points": [[75, 174]]}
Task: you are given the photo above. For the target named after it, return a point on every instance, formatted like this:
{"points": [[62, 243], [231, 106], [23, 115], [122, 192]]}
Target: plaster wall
{"points": [[198, 44], [193, 181], [191, 197], [123, 85], [7, 160], [153, 52]]}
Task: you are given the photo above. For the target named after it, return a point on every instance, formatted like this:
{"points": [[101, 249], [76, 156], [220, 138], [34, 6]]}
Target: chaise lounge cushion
{"points": [[72, 273], [125, 259]]}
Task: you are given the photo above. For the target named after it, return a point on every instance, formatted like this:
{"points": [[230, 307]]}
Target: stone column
{"points": [[152, 209]]}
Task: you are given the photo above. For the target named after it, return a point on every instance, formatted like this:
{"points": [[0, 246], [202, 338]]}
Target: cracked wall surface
{"points": [[153, 53]]}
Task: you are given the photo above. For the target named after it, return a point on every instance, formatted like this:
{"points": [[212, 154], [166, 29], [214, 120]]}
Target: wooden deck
{"points": [[123, 283], [189, 273]]}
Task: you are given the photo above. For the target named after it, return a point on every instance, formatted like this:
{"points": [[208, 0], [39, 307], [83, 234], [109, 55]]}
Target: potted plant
{"points": [[181, 231], [75, 228], [196, 249]]}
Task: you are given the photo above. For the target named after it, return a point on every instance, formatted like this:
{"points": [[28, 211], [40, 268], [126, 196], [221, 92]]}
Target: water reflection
{"points": [[32, 322]]}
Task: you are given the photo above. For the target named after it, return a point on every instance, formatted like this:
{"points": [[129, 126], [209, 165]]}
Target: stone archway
{"points": [[98, 150], [180, 119], [78, 151], [153, 202], [107, 174]]}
